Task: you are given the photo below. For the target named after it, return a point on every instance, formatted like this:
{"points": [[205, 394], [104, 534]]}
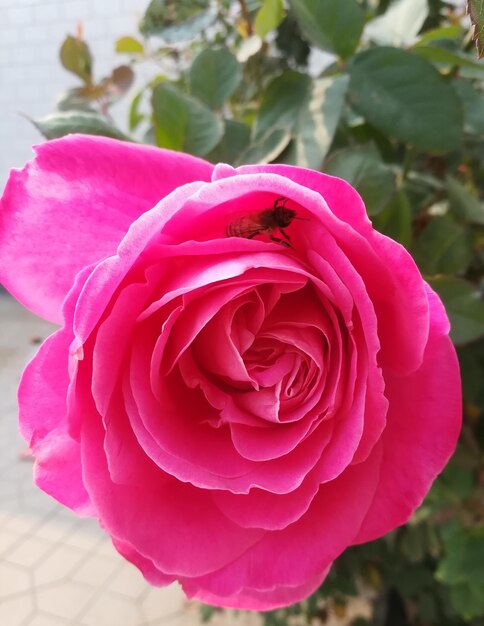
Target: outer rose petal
{"points": [[423, 424], [258, 600], [72, 205], [43, 423]]}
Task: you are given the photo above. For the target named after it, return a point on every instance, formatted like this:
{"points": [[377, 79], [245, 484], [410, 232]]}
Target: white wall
{"points": [[31, 77]]}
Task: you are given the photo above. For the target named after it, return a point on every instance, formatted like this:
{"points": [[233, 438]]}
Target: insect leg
{"points": [[283, 200], [283, 232], [281, 241]]}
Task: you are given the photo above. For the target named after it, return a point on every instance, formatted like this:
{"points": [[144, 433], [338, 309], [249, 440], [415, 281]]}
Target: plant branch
{"points": [[246, 17]]}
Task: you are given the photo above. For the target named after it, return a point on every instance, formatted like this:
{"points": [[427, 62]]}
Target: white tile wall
{"points": [[31, 77]]}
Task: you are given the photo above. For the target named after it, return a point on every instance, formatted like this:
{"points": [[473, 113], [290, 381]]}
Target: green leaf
{"points": [[184, 123], [473, 102], [74, 100], [214, 76], [281, 102], [412, 543], [443, 56], [439, 34], [464, 202], [462, 568], [443, 247], [318, 120], [363, 168], [267, 148], [129, 45], [333, 25], [395, 220], [475, 8], [464, 305], [309, 109], [76, 57], [60, 124], [234, 142], [268, 17], [400, 24], [135, 117], [177, 21], [405, 97]]}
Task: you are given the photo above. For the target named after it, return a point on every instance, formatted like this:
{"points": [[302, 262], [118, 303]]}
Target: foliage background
{"points": [[398, 111]]}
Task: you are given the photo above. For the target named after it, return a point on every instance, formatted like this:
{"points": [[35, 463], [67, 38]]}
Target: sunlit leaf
{"points": [[400, 24], [129, 45], [269, 16]]}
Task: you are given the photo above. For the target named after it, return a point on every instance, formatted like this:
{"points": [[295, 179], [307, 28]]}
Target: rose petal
{"points": [[73, 204], [423, 424]]}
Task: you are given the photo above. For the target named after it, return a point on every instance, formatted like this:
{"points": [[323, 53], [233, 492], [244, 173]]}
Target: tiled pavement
{"points": [[57, 569]]}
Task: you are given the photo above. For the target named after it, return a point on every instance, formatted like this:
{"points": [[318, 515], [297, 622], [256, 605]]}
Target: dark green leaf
{"points": [[333, 25], [282, 102], [464, 202], [475, 9], [473, 102], [60, 124], [400, 24], [404, 96], [464, 305], [184, 123], [443, 247], [76, 58], [214, 76], [266, 148], [412, 543], [129, 45], [463, 568], [234, 142], [363, 168], [289, 42], [269, 16], [395, 220], [177, 21]]}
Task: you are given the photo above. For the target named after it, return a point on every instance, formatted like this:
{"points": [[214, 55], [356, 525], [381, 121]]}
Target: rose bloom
{"points": [[235, 412]]}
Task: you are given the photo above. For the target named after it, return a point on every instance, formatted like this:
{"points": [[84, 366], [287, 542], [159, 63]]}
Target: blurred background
{"points": [[386, 94], [31, 76]]}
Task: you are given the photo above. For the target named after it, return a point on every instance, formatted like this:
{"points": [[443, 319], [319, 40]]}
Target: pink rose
{"points": [[235, 412]]}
